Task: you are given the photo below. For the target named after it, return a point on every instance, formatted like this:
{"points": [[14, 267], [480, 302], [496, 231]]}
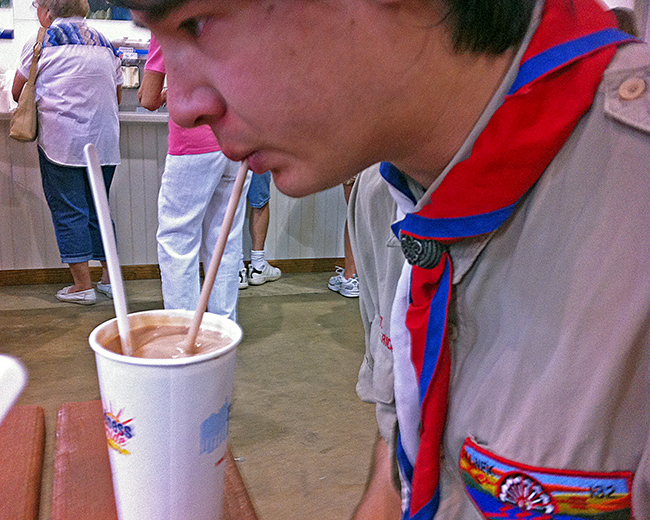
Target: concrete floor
{"points": [[301, 436]]}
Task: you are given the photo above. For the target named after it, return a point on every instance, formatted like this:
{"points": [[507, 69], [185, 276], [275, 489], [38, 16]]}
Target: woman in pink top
{"points": [[194, 192]]}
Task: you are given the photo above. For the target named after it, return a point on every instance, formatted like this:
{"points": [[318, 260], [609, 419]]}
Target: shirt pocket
{"points": [[376, 374], [502, 488]]}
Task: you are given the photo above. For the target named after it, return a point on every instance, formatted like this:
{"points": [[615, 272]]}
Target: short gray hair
{"points": [[66, 8]]}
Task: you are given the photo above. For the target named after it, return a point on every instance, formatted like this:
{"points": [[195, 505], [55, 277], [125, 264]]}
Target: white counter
{"points": [[125, 117], [311, 227]]}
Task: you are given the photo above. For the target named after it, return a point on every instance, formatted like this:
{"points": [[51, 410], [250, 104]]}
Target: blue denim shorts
{"points": [[259, 191], [68, 194]]}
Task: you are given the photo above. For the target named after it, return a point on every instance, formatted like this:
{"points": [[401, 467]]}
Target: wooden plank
{"points": [[237, 504], [22, 443], [151, 178], [6, 195], [29, 242], [120, 199], [82, 488]]}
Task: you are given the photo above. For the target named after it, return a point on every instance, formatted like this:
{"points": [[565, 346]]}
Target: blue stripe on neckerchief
{"points": [[560, 55], [396, 178]]}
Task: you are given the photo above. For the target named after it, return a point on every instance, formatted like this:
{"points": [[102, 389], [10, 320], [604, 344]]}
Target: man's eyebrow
{"points": [[153, 10]]}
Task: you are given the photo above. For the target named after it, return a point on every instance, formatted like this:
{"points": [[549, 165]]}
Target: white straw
{"points": [[110, 248], [219, 247]]}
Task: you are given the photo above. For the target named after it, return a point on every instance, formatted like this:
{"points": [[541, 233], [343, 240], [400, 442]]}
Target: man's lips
{"points": [[234, 154], [253, 157]]}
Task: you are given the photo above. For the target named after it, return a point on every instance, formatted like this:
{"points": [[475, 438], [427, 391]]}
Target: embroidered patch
{"points": [[501, 488]]}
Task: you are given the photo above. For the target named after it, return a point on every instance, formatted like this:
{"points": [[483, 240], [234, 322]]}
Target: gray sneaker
{"points": [[87, 297], [268, 274]]}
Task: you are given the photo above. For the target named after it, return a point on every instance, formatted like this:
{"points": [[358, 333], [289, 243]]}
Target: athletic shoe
{"points": [[87, 297], [105, 288], [243, 278], [348, 287], [268, 274], [336, 282]]}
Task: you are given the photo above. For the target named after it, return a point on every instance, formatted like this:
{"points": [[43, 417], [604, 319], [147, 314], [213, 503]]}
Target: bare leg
{"points": [[105, 276], [259, 226], [81, 276], [350, 266], [381, 501]]}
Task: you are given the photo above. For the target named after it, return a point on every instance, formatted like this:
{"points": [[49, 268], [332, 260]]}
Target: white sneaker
{"points": [[243, 278], [105, 288], [336, 282], [87, 297], [268, 274], [348, 287]]}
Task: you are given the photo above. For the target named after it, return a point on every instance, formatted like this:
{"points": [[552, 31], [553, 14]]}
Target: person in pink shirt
{"points": [[194, 192]]}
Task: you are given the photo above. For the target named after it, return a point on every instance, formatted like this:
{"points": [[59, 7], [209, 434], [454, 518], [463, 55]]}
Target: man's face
{"points": [[295, 86]]}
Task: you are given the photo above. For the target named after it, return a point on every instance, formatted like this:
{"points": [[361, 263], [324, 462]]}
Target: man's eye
{"points": [[193, 27]]}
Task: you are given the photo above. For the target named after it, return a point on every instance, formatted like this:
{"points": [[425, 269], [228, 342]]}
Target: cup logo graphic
{"points": [[214, 430], [118, 431]]}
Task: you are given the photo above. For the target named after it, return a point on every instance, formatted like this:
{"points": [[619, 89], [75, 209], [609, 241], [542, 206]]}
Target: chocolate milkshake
{"points": [[168, 342]]}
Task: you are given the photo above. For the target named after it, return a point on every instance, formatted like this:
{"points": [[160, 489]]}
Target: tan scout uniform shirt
{"points": [[550, 321]]}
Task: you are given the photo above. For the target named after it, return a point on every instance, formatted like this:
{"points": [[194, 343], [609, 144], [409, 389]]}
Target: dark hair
{"points": [[626, 20], [480, 26], [155, 10], [488, 26]]}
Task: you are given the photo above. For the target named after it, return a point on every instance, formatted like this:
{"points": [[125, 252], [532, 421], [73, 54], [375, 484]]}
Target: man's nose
{"points": [[192, 103]]}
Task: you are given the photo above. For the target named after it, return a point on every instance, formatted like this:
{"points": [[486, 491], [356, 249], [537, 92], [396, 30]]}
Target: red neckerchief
{"points": [[559, 75]]}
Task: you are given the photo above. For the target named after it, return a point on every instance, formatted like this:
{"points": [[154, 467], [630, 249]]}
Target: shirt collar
{"points": [[465, 252], [72, 19]]}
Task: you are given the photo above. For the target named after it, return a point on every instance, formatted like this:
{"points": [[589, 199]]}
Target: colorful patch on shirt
{"points": [[502, 488]]}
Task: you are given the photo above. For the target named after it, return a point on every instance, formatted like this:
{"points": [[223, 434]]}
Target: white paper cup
{"points": [[167, 422]]}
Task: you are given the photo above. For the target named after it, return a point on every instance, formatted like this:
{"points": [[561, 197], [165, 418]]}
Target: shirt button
{"points": [[631, 89]]}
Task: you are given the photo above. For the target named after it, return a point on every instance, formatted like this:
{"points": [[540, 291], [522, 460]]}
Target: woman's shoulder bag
{"points": [[24, 119]]}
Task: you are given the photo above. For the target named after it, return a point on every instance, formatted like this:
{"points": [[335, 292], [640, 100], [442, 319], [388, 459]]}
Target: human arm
{"points": [[151, 94], [380, 501], [119, 94], [379, 261], [17, 87]]}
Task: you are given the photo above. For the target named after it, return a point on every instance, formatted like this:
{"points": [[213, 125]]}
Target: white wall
{"points": [[26, 24], [311, 227]]}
